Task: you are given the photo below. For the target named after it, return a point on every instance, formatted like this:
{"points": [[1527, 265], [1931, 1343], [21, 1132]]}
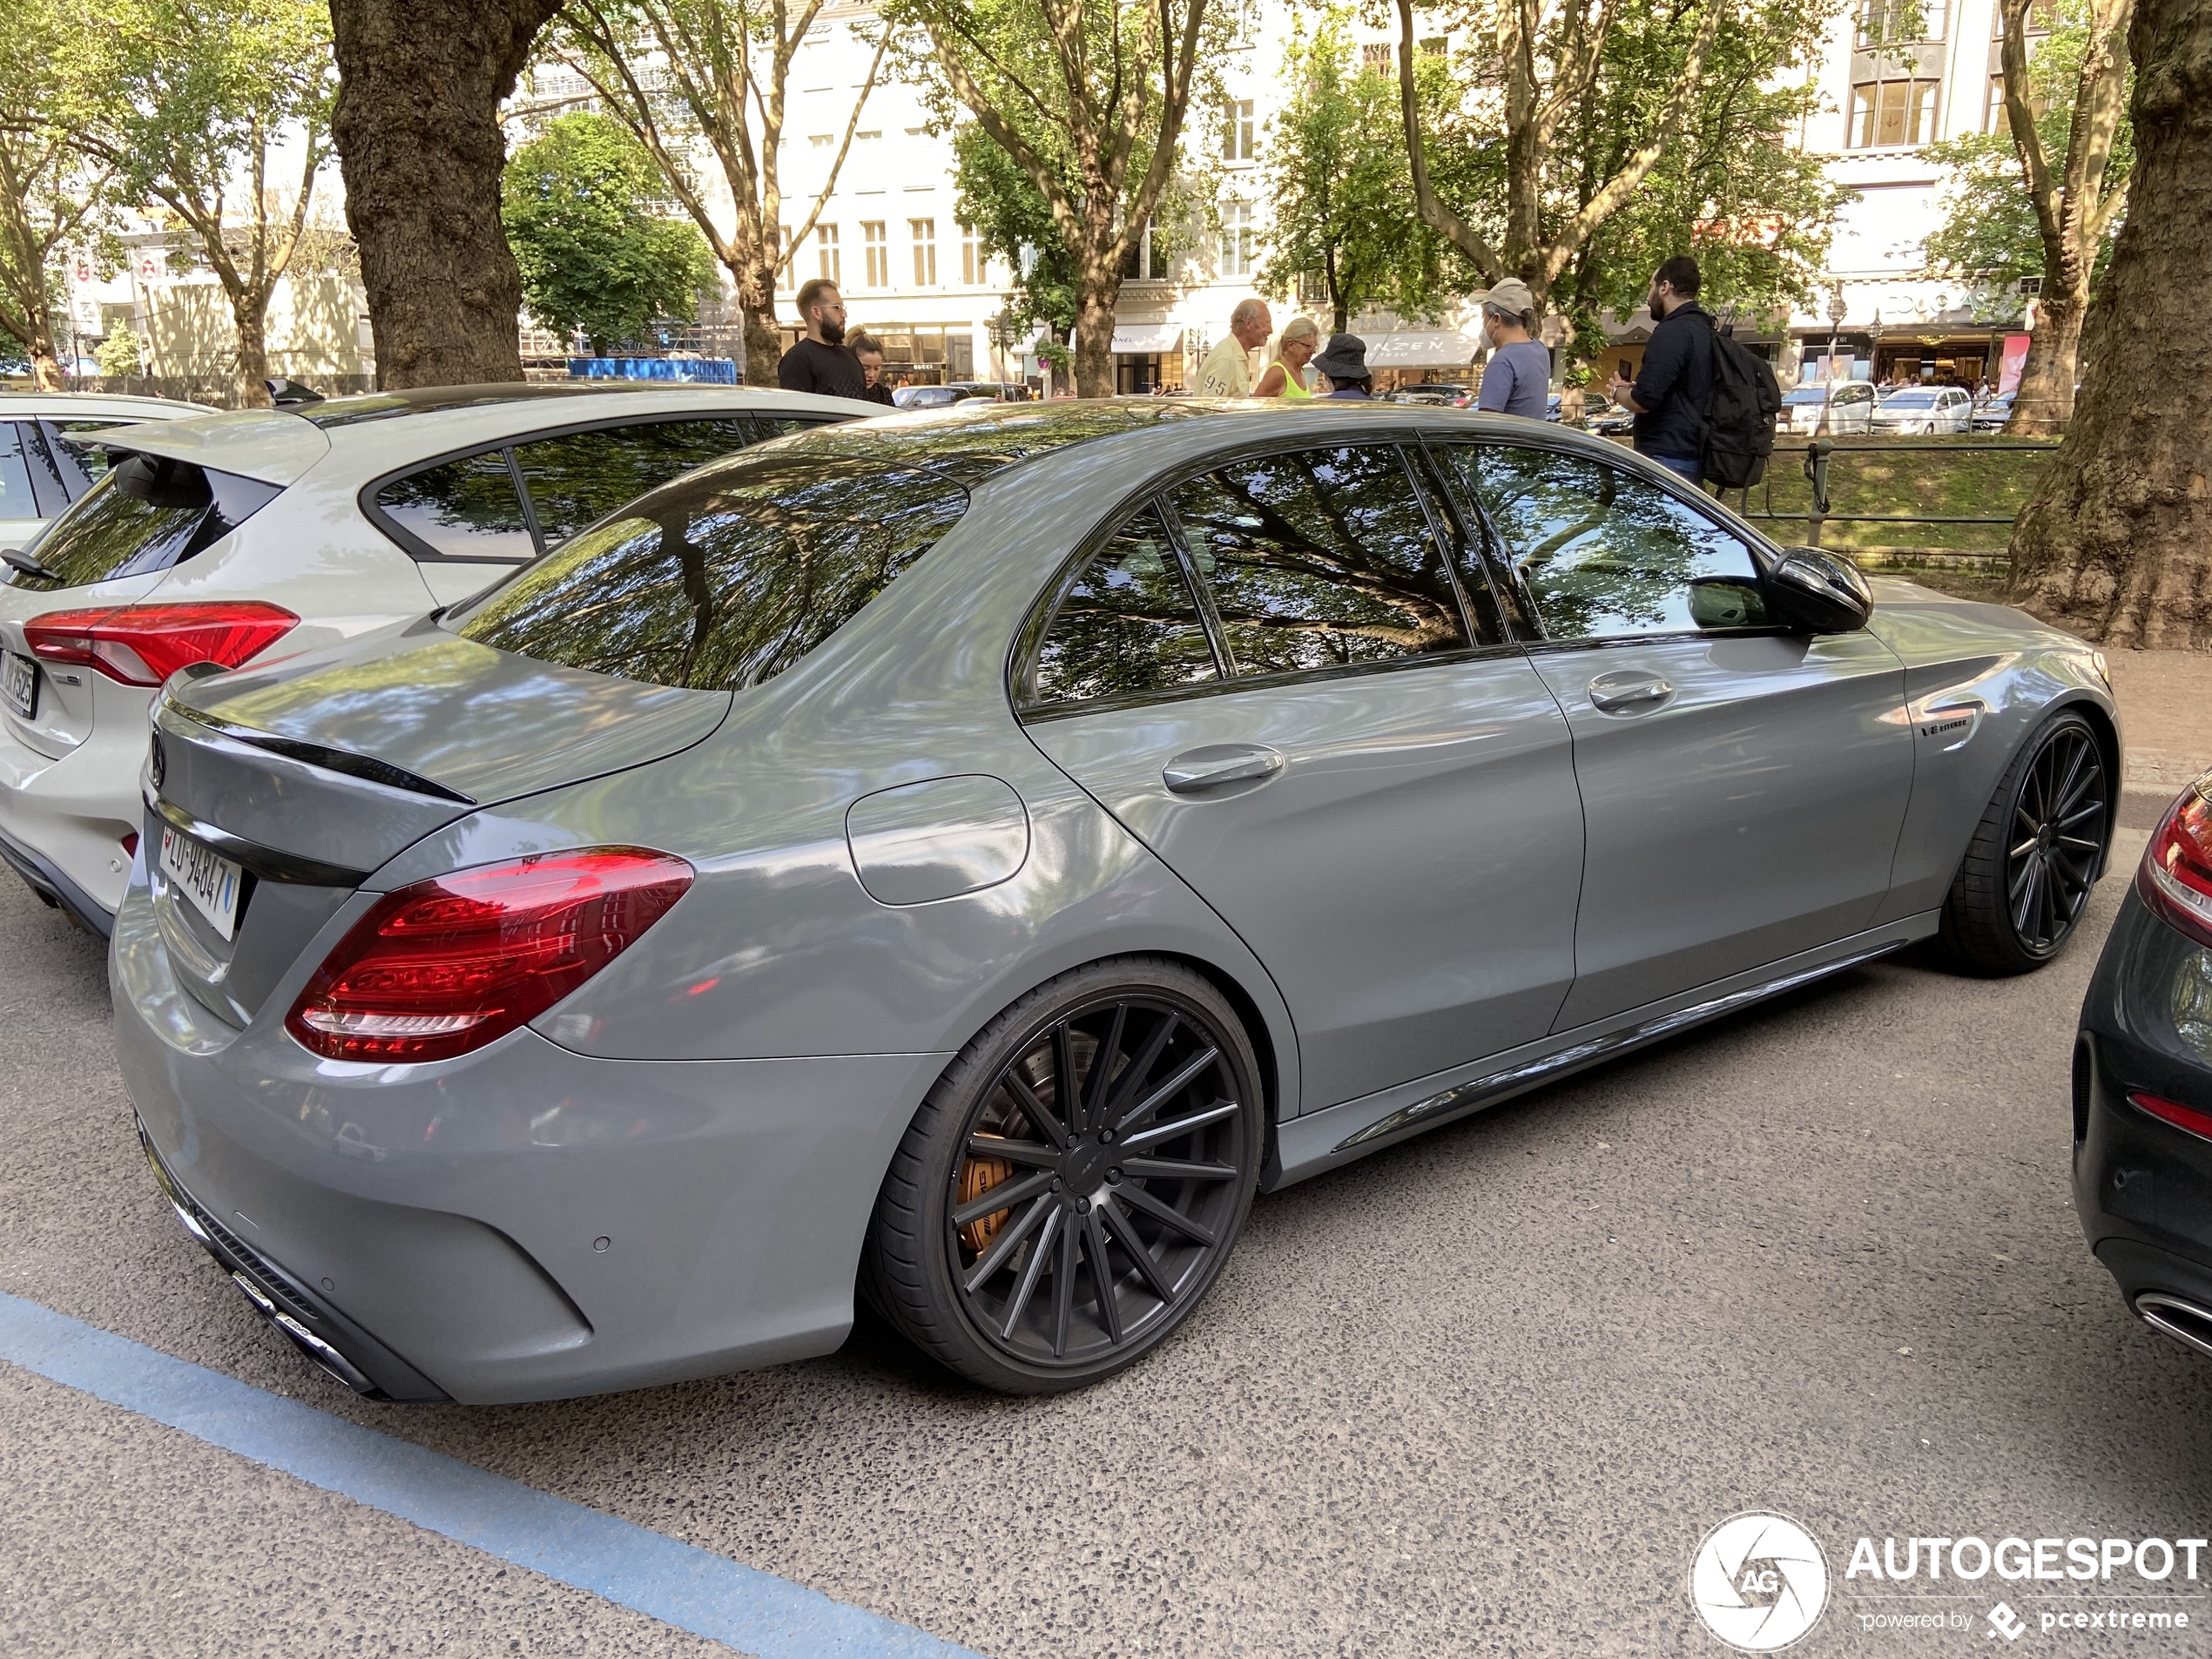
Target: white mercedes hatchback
{"points": [[44, 468], [229, 538]]}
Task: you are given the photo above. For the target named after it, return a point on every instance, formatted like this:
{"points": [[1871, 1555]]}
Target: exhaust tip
{"points": [[2182, 1319]]}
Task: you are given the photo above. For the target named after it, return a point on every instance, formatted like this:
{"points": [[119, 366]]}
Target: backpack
{"points": [[1740, 413]]}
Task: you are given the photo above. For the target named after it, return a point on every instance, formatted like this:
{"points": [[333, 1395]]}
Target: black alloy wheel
{"points": [[2037, 853], [1075, 1181], [2057, 838]]}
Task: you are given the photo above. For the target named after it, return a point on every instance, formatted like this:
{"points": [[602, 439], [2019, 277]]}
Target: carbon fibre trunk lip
{"points": [[265, 861], [341, 761]]}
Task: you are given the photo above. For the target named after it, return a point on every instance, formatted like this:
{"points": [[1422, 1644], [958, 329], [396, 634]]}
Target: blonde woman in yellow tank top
{"points": [[1286, 376]]}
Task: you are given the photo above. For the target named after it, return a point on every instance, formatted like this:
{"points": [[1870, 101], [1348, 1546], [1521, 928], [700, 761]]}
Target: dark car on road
{"points": [[2143, 1084]]}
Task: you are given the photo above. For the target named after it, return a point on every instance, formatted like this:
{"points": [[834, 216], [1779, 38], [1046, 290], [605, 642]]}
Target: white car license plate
{"points": [[204, 876], [21, 676]]}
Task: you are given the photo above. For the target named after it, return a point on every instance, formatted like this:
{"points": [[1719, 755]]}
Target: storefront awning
{"points": [[1420, 348], [1143, 339]]}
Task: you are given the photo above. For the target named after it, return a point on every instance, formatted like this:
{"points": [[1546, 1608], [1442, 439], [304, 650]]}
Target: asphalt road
{"points": [[1481, 1393]]}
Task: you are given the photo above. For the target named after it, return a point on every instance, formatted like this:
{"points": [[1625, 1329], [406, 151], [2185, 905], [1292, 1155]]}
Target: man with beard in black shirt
{"points": [[819, 362]]}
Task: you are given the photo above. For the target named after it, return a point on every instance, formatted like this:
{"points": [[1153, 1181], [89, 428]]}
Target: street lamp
{"points": [[1838, 309]]}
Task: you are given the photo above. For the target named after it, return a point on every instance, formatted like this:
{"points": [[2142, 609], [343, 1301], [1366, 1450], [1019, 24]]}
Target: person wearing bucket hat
{"points": [[1518, 378], [1344, 362]]}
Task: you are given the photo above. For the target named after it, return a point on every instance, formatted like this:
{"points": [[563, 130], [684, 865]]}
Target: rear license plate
{"points": [[20, 681], [204, 876]]}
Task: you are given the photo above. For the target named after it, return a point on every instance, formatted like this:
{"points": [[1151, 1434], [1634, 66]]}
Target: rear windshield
{"points": [[724, 577], [148, 513]]}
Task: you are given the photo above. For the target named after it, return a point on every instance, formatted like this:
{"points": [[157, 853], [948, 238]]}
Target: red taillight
{"points": [[2176, 877], [2171, 1111], [449, 965], [145, 644]]}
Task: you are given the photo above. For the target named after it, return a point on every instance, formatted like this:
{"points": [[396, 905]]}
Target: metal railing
{"points": [[1820, 452]]}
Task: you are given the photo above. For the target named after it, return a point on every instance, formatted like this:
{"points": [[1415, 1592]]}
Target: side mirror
{"points": [[1815, 592]]}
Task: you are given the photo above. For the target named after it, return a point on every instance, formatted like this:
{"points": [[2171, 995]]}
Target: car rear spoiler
{"points": [[269, 446]]}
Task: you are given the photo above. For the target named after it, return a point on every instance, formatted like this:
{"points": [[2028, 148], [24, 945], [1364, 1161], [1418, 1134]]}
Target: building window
{"points": [[1885, 23], [1433, 46], [877, 244], [821, 140], [1313, 287], [973, 260], [1376, 58], [826, 252], [925, 235], [1886, 114], [1237, 131], [1238, 253], [1136, 264]]}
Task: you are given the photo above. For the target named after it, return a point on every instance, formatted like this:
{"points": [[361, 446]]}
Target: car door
{"points": [[1742, 787], [1273, 677]]}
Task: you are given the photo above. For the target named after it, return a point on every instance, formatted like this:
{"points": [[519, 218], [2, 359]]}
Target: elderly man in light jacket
{"points": [[1227, 370]]}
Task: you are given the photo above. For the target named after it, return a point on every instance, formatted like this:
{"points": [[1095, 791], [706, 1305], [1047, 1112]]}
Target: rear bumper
{"points": [[44, 877], [62, 820], [525, 1222], [2142, 1187]]}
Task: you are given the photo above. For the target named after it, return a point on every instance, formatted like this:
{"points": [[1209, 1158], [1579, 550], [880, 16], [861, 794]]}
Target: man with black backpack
{"points": [[1705, 406], [1670, 393]]}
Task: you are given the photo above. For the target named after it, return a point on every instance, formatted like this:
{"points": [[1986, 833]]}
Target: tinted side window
{"points": [[89, 464], [15, 499], [579, 477], [466, 509], [723, 578], [1127, 626], [1319, 559], [1603, 554], [147, 514]]}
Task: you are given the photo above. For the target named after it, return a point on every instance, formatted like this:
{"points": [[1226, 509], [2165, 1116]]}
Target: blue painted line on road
{"points": [[678, 1583]]}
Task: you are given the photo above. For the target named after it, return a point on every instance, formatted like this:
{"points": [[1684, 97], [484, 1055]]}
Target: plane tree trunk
{"points": [[419, 144], [2116, 542]]}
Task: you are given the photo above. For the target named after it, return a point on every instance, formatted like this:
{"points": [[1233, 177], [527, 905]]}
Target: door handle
{"points": [[1197, 770], [1626, 692]]}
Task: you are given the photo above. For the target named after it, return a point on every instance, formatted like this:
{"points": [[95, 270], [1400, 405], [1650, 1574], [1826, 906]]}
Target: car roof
{"points": [[80, 405], [279, 446]]}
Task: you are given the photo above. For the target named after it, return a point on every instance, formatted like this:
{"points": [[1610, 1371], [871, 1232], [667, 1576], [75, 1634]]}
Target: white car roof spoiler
{"points": [[269, 445]]}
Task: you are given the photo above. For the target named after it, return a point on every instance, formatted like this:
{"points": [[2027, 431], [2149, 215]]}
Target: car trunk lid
{"points": [[308, 776]]}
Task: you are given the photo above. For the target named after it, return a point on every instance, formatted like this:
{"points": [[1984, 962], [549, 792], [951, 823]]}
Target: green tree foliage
{"points": [[1735, 189], [1337, 177], [687, 76], [1990, 234], [1087, 97], [587, 215], [52, 196], [1014, 222], [219, 110]]}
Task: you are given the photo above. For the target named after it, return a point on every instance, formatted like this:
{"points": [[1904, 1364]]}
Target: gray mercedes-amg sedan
{"points": [[963, 857]]}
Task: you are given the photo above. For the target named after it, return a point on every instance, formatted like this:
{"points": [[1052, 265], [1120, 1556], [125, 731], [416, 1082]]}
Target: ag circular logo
{"points": [[1758, 1582]]}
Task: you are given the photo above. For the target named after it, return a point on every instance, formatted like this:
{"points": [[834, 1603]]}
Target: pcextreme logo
{"points": [[1758, 1582]]}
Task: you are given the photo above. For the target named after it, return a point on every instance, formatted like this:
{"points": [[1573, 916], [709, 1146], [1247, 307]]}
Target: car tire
{"points": [[1159, 1158], [2040, 847]]}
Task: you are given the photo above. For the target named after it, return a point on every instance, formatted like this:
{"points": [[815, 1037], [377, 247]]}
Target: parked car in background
{"points": [[1991, 413], [42, 468], [1831, 411], [1030, 843], [952, 392], [222, 538], [1609, 419], [1443, 394], [1916, 410], [2143, 1084]]}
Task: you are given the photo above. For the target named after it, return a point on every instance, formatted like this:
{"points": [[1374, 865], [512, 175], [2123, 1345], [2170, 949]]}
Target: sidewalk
{"points": [[2166, 716]]}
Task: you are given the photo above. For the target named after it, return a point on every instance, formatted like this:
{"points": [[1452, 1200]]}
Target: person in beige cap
{"points": [[1518, 378], [1286, 376], [1227, 370]]}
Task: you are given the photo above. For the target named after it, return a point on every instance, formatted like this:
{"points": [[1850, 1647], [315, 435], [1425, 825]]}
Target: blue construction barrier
{"points": [[712, 371]]}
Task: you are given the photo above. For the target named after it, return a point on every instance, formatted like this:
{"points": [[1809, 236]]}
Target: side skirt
{"points": [[1336, 1134]]}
